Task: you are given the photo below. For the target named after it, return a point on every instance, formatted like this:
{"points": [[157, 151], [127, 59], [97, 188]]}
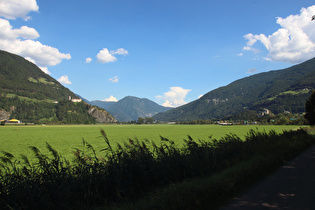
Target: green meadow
{"points": [[65, 138], [135, 176]]}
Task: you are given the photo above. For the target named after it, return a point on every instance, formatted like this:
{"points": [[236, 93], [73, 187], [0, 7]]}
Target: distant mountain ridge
{"points": [[277, 91], [103, 104], [130, 108]]}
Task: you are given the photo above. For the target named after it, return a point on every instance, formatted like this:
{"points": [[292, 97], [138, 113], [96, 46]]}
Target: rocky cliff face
{"points": [[4, 115], [101, 116]]}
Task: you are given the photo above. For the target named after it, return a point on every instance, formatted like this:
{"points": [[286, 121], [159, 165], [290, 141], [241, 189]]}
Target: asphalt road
{"points": [[290, 187]]}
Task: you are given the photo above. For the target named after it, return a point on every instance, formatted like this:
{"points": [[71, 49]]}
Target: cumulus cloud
{"points": [[13, 9], [106, 56], [114, 79], [21, 40], [64, 80], [8, 33], [252, 71], [88, 60], [110, 99], [175, 97], [42, 55], [294, 42]]}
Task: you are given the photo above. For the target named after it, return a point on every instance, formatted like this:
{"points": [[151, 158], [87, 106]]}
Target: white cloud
{"points": [[200, 96], [105, 57], [88, 60], [114, 79], [175, 97], [240, 54], [168, 104], [20, 41], [294, 42], [120, 51], [252, 71], [7, 33], [110, 99], [42, 55], [12, 9], [64, 80]]}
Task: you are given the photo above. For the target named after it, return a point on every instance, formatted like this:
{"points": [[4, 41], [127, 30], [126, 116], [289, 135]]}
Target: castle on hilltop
{"points": [[75, 100]]}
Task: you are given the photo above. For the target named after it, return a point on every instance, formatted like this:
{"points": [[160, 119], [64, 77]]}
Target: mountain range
{"points": [[30, 95], [277, 91], [130, 108]]}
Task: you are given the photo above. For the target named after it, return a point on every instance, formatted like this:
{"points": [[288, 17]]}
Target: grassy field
{"points": [[65, 138], [193, 176]]}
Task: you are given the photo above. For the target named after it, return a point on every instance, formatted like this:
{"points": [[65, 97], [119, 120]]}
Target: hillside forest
{"points": [[63, 112]]}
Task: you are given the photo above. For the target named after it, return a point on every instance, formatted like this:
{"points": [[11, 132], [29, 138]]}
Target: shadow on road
{"points": [[290, 187]]}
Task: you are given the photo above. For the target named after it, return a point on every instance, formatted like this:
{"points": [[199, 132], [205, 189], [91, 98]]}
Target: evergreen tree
{"points": [[310, 109]]}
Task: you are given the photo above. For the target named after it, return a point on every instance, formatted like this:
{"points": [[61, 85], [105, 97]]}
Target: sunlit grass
{"points": [[290, 92], [65, 138], [43, 80], [24, 98]]}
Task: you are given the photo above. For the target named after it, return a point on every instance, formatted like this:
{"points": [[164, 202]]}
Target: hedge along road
{"points": [[65, 138]]}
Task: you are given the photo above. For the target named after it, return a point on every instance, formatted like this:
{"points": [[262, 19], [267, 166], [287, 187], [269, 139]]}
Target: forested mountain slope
{"points": [[30, 95], [20, 77], [278, 91]]}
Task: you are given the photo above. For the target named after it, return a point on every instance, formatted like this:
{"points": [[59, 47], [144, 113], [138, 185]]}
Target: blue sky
{"points": [[171, 52]]}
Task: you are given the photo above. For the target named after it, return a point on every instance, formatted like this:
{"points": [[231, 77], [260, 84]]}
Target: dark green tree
{"points": [[310, 109], [148, 120], [140, 120]]}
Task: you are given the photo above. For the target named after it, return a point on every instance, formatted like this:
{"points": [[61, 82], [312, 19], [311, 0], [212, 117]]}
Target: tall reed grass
{"points": [[132, 170]]}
